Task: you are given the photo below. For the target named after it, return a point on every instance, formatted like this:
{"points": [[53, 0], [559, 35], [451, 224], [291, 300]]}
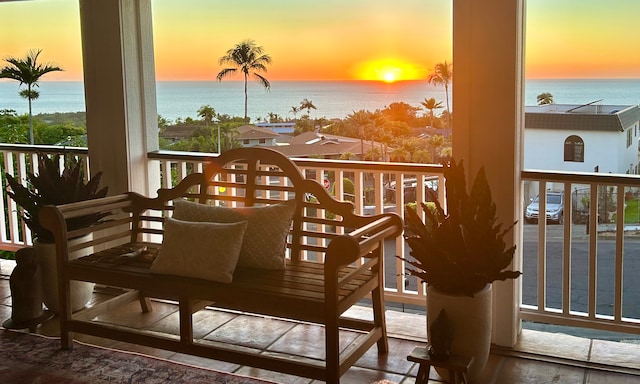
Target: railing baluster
{"points": [[618, 261], [566, 250], [542, 246], [593, 251]]}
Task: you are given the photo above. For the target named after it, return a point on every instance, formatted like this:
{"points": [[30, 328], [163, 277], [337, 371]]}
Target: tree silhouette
{"points": [[545, 98], [442, 75], [28, 71], [295, 111], [250, 59], [430, 105], [207, 113], [308, 105]]}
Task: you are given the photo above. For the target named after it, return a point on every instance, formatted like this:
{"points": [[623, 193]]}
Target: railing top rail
{"points": [[312, 163], [368, 165], [180, 155], [582, 177], [42, 148]]}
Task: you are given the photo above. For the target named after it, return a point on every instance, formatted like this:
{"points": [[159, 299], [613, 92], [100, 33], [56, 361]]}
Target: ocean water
{"points": [[333, 99]]}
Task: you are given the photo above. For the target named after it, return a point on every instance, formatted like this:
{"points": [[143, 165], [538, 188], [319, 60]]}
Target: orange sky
{"points": [[337, 39]]}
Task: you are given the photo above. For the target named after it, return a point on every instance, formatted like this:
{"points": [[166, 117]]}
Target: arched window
{"points": [[574, 149]]}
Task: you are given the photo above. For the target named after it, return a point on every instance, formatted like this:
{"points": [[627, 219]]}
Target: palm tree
{"points": [[207, 113], [363, 121], [249, 59], [442, 75], [435, 142], [430, 105], [28, 71], [545, 98], [295, 111], [308, 105]]}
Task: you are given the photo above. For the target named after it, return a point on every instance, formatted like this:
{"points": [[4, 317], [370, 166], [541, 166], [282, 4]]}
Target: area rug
{"points": [[34, 359]]}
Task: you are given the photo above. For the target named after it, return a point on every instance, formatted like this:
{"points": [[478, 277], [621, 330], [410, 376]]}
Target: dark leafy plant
{"points": [[459, 252], [51, 187]]}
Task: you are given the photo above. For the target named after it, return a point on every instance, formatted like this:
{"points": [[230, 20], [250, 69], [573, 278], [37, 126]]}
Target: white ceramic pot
{"points": [[80, 291], [470, 319]]}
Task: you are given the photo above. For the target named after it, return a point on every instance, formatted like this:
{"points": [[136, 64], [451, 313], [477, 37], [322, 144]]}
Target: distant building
{"points": [[174, 133], [250, 135], [582, 138], [307, 144], [319, 145], [286, 128], [430, 131]]}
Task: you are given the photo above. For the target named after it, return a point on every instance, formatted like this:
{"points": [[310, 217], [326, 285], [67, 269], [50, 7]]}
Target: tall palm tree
{"points": [[430, 105], [545, 98], [28, 71], [308, 105], [250, 59], [442, 75]]}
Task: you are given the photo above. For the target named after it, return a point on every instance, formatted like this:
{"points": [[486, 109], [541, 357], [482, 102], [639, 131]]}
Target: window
{"points": [[262, 141], [629, 137], [574, 149]]}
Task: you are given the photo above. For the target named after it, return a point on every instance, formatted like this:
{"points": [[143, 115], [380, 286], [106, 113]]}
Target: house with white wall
{"points": [[582, 138], [250, 135]]}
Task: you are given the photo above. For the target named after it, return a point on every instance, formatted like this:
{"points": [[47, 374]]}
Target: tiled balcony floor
{"points": [[539, 357]]}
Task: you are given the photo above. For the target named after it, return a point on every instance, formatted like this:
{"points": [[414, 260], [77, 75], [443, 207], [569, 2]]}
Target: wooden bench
{"points": [[334, 260]]}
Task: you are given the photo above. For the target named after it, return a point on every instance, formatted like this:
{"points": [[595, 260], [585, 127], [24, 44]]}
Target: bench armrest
{"points": [[348, 248]]}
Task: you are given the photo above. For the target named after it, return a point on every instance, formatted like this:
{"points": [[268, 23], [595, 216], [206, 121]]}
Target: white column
{"points": [[120, 92], [488, 121]]}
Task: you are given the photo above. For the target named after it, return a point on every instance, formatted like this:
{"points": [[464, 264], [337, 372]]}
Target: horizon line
{"points": [[338, 80]]}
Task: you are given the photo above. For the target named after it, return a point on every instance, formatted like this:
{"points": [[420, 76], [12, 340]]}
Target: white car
{"points": [[555, 208]]}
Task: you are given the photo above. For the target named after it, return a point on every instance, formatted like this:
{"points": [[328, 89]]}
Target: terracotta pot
{"points": [[470, 320], [80, 291]]}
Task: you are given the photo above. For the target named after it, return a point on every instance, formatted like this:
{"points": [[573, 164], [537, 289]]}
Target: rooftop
{"points": [[585, 117]]}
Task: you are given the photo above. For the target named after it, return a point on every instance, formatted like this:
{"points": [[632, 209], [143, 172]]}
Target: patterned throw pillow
{"points": [[202, 250], [265, 239]]}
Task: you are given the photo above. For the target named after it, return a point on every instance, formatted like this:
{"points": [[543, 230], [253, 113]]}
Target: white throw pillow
{"points": [[202, 250], [265, 239]]}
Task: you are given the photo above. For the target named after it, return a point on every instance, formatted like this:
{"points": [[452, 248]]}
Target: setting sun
{"points": [[389, 76], [388, 70]]}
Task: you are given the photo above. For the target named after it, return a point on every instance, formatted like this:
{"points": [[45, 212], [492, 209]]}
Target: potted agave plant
{"points": [[459, 253], [51, 186]]}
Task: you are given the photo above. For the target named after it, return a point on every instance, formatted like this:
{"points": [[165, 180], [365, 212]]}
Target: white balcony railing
{"points": [[19, 160], [583, 271], [580, 272]]}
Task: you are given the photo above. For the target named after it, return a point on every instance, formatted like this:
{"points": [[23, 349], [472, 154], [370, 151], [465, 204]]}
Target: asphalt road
{"points": [[579, 273], [580, 270]]}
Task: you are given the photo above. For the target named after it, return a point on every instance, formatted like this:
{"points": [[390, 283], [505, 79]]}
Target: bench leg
{"points": [[186, 320], [377, 300], [66, 340], [332, 349], [145, 304], [423, 374]]}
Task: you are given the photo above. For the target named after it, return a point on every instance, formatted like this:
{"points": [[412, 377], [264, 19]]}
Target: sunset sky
{"points": [[337, 39]]}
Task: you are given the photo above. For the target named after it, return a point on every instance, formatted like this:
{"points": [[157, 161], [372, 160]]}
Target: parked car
{"points": [[555, 208], [409, 186]]}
